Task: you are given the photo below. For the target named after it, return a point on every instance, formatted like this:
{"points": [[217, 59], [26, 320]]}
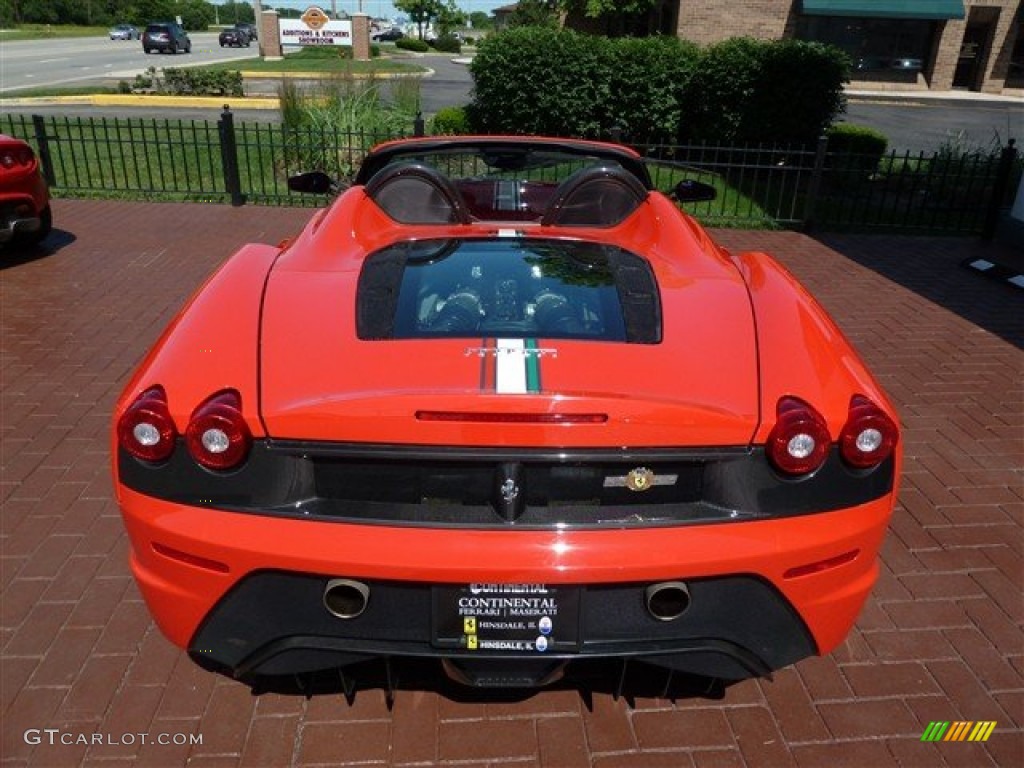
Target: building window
{"points": [[874, 44]]}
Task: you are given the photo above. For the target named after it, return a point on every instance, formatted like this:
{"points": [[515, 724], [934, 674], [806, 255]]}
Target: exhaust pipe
{"points": [[668, 600], [345, 598]]}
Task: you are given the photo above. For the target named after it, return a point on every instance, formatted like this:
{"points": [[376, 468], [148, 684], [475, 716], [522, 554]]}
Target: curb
{"points": [[143, 100], [250, 75], [930, 98]]}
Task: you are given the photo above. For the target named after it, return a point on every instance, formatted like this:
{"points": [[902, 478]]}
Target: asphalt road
{"points": [[915, 124], [912, 122], [84, 60]]}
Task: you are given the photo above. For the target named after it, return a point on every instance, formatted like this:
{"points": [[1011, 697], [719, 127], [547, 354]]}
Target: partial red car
{"points": [[25, 216], [505, 406]]}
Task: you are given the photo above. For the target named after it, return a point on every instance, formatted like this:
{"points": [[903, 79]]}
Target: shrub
{"points": [[201, 82], [847, 138], [450, 121], [649, 78], [447, 44], [656, 89], [758, 91], [186, 82], [412, 44], [537, 80], [856, 153]]}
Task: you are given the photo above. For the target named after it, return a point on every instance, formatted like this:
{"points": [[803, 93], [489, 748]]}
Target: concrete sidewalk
{"points": [[940, 640]]}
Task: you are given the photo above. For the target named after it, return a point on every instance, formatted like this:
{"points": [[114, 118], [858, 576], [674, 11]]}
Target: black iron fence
{"points": [[759, 186]]}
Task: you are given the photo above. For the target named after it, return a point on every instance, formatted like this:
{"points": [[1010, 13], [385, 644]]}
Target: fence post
{"points": [[1000, 186], [814, 187], [39, 123], [229, 156]]}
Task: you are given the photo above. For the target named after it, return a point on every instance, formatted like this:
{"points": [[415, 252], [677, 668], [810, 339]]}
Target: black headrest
{"points": [[597, 196], [414, 193]]}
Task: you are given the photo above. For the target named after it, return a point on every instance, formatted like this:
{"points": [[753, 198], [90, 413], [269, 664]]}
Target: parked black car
{"points": [[234, 37], [388, 35], [165, 36]]}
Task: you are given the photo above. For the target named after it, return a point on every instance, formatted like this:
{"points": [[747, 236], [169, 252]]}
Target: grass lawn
{"points": [[46, 31]]}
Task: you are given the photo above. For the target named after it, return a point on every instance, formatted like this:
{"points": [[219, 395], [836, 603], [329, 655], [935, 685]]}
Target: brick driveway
{"points": [[940, 640]]}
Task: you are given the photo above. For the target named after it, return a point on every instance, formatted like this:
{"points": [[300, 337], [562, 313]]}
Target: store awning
{"points": [[886, 9]]}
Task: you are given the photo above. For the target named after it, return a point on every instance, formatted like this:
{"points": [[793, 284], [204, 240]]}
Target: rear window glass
{"points": [[508, 287]]}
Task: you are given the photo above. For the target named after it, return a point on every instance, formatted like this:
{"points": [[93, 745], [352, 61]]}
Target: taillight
{"points": [[869, 435], [799, 442], [18, 155], [146, 430], [217, 435]]}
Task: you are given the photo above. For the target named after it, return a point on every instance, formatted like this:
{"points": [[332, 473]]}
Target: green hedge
{"points": [[759, 91], [412, 44], [449, 121], [648, 82], [858, 150], [447, 44], [537, 80], [186, 82], [657, 89], [848, 138]]}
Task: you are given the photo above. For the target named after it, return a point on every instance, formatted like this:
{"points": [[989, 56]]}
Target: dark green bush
{"points": [[759, 91], [855, 154], [656, 89], [649, 78], [449, 121], [847, 138], [447, 44], [538, 80], [412, 44]]}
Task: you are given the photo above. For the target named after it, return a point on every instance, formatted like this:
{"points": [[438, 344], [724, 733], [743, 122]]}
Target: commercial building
{"points": [[975, 45]]}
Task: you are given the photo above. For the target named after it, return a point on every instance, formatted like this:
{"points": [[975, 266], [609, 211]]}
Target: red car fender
{"points": [[212, 343], [798, 346]]}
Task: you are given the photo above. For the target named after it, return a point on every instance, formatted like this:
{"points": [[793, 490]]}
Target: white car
{"points": [[124, 32]]}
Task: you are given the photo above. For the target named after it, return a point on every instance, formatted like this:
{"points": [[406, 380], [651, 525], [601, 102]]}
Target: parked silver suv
{"points": [[165, 36]]}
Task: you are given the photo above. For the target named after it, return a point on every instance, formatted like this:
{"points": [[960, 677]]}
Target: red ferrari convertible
{"points": [[503, 405], [25, 217]]}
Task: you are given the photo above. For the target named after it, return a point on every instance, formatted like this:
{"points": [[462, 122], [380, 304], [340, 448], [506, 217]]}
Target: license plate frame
{"points": [[521, 619]]}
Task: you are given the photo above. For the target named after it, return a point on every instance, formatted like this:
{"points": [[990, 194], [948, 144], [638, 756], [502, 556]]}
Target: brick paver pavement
{"points": [[941, 639]]}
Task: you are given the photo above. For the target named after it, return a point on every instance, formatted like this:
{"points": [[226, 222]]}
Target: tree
{"points": [[479, 19], [596, 8], [618, 17], [195, 15], [449, 17], [420, 11], [535, 13]]}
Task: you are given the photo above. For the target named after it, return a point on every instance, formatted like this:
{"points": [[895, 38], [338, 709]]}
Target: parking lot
{"points": [[88, 680]]}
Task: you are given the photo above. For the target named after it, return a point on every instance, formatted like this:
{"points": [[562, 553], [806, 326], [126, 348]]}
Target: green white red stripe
{"points": [[516, 367]]}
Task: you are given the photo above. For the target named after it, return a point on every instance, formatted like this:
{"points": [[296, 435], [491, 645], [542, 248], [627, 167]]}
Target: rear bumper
{"points": [[274, 623], [210, 576], [20, 214]]}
